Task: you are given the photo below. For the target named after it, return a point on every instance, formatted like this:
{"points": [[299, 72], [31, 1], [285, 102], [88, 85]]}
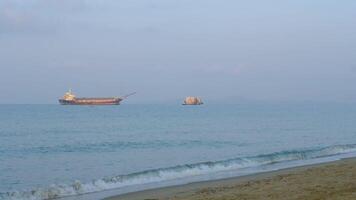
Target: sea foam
{"points": [[176, 172]]}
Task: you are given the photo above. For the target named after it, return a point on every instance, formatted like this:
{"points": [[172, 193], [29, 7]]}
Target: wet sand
{"points": [[331, 181]]}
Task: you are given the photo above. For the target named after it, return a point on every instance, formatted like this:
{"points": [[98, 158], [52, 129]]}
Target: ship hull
{"points": [[192, 104], [91, 101]]}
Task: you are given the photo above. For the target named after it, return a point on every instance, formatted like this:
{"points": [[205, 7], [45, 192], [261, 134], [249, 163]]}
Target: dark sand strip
{"points": [[331, 181]]}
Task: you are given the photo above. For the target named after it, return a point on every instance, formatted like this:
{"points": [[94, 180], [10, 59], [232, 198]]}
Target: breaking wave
{"points": [[176, 172]]}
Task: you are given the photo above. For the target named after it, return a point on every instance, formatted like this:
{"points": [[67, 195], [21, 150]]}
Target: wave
{"points": [[176, 172], [117, 145]]}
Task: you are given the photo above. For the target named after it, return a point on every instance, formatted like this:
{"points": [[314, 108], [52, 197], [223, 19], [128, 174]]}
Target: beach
{"points": [[332, 180]]}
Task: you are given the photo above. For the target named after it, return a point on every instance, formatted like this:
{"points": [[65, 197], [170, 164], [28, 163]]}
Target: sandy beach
{"points": [[333, 180]]}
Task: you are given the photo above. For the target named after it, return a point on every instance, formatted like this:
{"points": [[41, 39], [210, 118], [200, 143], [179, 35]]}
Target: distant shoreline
{"points": [[317, 181]]}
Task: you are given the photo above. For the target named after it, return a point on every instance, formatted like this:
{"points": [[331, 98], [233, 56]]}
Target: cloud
{"points": [[13, 17], [234, 70], [13, 20], [37, 16]]}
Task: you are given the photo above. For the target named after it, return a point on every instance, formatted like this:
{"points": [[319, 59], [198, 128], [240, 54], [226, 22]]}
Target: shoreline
{"points": [[320, 181]]}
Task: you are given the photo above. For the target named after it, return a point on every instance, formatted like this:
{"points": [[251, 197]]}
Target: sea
{"points": [[92, 152]]}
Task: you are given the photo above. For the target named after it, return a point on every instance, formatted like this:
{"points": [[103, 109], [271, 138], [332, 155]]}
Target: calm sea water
{"points": [[53, 151]]}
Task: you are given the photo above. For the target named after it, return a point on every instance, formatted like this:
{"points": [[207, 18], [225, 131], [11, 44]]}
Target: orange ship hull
{"points": [[91, 101]]}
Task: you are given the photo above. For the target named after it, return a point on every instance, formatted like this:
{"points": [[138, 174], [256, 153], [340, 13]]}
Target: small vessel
{"points": [[70, 99], [192, 101]]}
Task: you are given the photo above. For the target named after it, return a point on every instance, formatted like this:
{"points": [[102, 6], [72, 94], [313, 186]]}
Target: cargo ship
{"points": [[70, 99], [192, 101]]}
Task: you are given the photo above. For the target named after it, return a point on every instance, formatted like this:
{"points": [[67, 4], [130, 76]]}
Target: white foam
{"points": [[176, 172]]}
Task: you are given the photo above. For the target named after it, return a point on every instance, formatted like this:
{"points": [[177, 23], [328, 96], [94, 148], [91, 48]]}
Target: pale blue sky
{"points": [[301, 50]]}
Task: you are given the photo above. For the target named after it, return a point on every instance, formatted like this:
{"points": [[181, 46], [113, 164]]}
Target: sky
{"points": [[165, 50]]}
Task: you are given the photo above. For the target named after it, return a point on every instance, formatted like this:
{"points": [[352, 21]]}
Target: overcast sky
{"points": [[277, 50]]}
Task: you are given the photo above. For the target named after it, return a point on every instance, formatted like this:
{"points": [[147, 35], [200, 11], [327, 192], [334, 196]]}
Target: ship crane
{"points": [[125, 96]]}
